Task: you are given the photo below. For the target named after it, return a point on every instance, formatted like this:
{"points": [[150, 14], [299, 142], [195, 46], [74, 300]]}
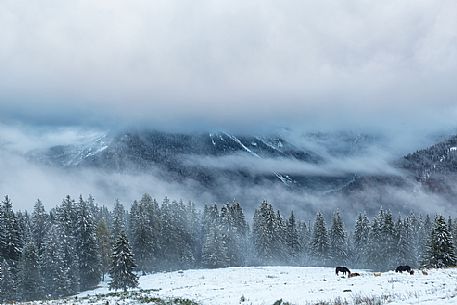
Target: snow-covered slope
{"points": [[296, 285]]}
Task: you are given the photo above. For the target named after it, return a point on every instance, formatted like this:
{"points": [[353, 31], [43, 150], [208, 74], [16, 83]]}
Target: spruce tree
{"points": [[338, 241], [119, 220], [292, 241], [30, 281], [320, 242], [54, 269], [40, 225], [104, 246], [264, 233], [440, 250], [141, 234], [87, 247], [122, 265], [405, 250], [361, 239], [8, 282], [10, 238], [304, 234]]}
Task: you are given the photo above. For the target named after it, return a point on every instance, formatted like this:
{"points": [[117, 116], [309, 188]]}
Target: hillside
{"points": [[292, 285]]}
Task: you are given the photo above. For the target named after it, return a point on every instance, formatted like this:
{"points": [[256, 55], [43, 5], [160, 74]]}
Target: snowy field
{"points": [[295, 285]]}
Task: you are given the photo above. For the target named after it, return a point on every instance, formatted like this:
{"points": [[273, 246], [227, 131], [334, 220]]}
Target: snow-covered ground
{"points": [[296, 285]]}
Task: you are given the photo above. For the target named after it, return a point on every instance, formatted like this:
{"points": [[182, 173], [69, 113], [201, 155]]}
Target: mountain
{"points": [[180, 156], [311, 170]]}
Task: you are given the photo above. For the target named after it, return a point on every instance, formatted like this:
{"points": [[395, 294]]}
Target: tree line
{"points": [[70, 248]]}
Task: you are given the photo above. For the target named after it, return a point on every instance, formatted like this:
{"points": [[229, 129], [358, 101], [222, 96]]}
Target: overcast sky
{"points": [[229, 63]]}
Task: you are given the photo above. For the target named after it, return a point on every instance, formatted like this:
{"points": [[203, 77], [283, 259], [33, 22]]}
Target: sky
{"points": [[73, 69], [229, 64]]}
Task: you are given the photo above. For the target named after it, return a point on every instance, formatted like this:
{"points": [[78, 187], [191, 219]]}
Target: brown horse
{"points": [[353, 274]]}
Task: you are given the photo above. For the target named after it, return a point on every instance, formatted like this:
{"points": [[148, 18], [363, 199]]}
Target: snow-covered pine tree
{"points": [[89, 261], [304, 236], [440, 250], [25, 228], [320, 242], [292, 241], [40, 225], [360, 240], [54, 269], [10, 238], [241, 231], [215, 252], [30, 281], [264, 233], [425, 231], [338, 250], [177, 240], [280, 235], [374, 258], [122, 265], [405, 253], [228, 236], [388, 241], [66, 217], [142, 233], [104, 246], [415, 227], [119, 220], [8, 288], [194, 226]]}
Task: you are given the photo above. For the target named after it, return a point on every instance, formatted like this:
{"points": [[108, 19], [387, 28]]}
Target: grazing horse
{"points": [[403, 268], [344, 270], [353, 274]]}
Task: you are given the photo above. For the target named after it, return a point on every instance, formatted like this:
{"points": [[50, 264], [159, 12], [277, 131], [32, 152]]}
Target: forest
{"points": [[56, 253]]}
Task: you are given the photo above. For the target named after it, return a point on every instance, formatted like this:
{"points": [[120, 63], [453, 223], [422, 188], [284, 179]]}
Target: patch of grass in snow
{"points": [[129, 297]]}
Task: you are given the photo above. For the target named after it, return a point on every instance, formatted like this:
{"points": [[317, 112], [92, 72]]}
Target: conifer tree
{"points": [[10, 239], [264, 233], [141, 233], [87, 247], [177, 240], [440, 250], [104, 246], [320, 242], [66, 217], [119, 220], [215, 252], [304, 234], [361, 240], [292, 240], [122, 265], [8, 282], [30, 281], [40, 225], [388, 241], [56, 274], [338, 241], [405, 251]]}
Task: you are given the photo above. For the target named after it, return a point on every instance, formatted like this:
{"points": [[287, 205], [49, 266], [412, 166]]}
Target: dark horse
{"points": [[403, 268], [344, 270]]}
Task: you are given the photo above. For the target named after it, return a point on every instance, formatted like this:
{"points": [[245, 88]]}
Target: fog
{"points": [[25, 180], [73, 71]]}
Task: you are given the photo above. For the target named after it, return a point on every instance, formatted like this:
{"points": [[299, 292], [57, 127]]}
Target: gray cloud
{"points": [[375, 164], [230, 64], [25, 181]]}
